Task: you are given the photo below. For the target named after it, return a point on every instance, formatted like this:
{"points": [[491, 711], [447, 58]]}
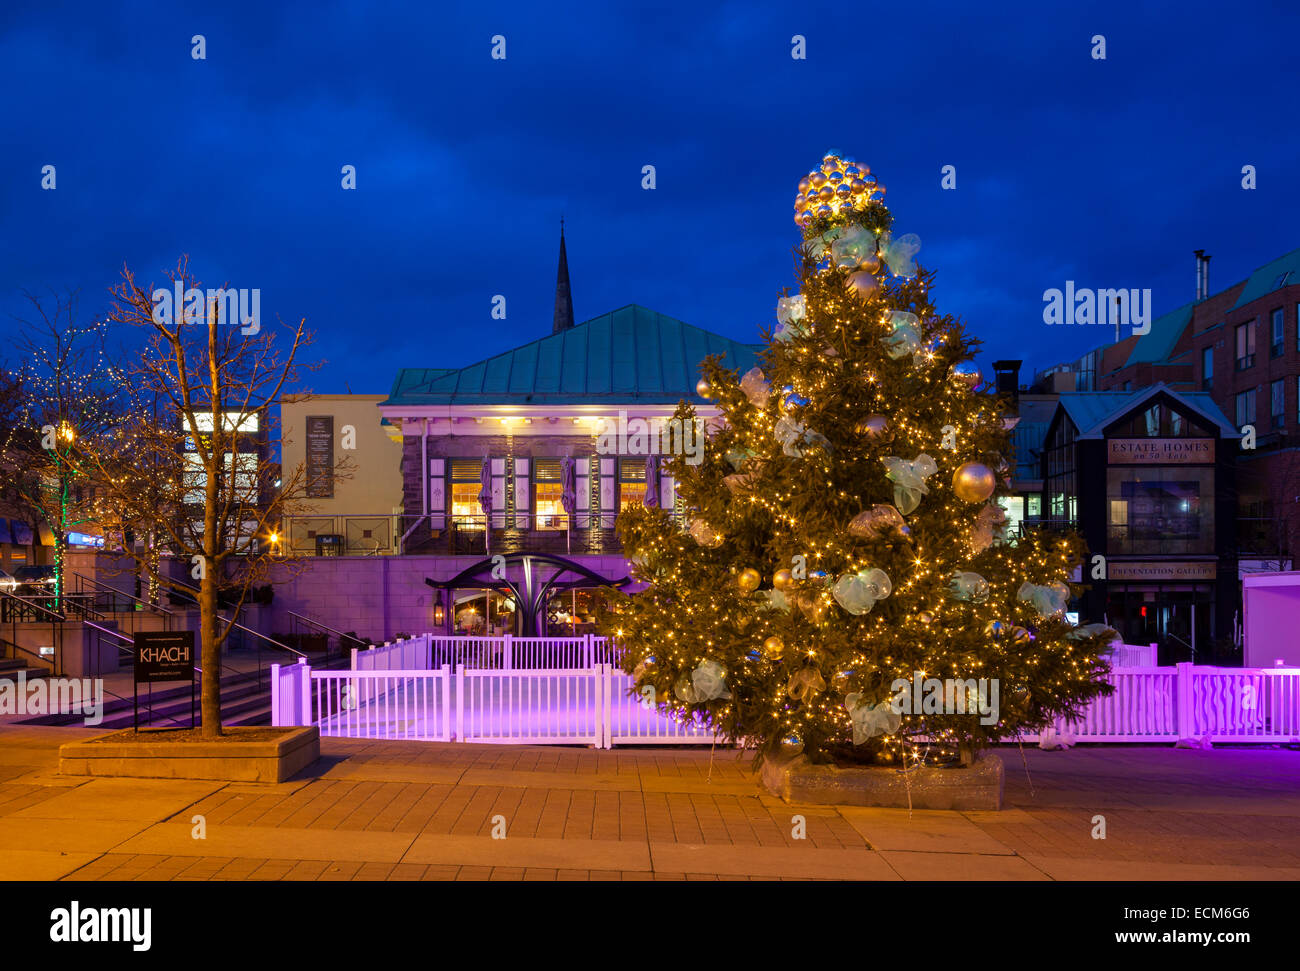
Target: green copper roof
{"points": [[1092, 411], [1157, 343], [630, 355], [1265, 280]]}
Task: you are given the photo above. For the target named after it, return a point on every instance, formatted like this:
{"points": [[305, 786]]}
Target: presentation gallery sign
{"points": [[1162, 570], [1161, 451]]}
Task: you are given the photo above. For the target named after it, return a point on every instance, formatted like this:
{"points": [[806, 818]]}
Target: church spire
{"points": [[563, 318]]}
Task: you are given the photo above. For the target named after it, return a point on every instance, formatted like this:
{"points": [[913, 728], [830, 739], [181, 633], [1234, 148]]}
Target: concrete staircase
{"points": [[243, 702], [13, 661]]}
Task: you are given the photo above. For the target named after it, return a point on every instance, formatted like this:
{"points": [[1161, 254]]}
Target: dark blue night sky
{"points": [[1106, 172]]}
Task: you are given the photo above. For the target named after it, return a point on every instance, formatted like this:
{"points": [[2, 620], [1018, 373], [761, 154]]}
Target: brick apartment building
{"points": [[1241, 346]]}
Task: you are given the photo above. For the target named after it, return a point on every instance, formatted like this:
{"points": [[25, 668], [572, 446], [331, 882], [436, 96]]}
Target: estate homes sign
{"points": [[1162, 570], [1160, 451]]}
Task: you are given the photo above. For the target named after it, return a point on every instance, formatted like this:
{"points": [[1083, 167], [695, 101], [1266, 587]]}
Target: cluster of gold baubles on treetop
{"points": [[839, 185]]}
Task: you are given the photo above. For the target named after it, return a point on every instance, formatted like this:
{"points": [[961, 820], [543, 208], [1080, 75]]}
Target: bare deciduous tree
{"points": [[180, 476]]}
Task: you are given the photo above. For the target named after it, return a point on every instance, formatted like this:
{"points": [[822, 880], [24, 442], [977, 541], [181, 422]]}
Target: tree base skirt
{"points": [[227, 759], [978, 786]]}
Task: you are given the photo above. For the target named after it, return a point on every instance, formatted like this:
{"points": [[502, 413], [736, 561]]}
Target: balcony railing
{"points": [[589, 533]]}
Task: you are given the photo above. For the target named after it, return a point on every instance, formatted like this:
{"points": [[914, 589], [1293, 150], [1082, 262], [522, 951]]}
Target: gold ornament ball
{"points": [[703, 388], [864, 283], [873, 426], [817, 179], [925, 617], [974, 482], [774, 648], [804, 183], [967, 374], [781, 579], [790, 746], [749, 580]]}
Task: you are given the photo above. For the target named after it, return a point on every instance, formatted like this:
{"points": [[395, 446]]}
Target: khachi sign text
{"points": [[164, 656]]}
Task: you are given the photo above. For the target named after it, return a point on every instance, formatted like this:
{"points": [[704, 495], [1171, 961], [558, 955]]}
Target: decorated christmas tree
{"points": [[843, 552]]}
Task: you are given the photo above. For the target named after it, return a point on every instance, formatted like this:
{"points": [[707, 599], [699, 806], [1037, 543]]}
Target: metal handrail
{"points": [[107, 630], [325, 627], [235, 624], [54, 614], [123, 593]]}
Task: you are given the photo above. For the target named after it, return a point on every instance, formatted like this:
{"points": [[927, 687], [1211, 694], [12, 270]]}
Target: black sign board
{"points": [[320, 456], [164, 655]]}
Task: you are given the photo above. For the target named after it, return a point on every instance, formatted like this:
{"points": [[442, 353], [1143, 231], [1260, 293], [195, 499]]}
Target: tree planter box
{"points": [[978, 786], [230, 758]]}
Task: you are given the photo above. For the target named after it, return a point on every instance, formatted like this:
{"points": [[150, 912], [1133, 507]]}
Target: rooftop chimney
{"points": [[1007, 375], [1202, 275]]}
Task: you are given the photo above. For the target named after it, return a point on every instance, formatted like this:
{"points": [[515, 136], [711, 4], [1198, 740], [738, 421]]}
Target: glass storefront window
{"points": [[548, 509], [631, 482], [1163, 510], [465, 486], [1014, 507]]}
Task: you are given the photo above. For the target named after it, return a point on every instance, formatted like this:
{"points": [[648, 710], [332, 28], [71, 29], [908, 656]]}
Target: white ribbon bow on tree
{"points": [[909, 479], [1047, 599], [871, 720], [706, 682], [858, 592]]}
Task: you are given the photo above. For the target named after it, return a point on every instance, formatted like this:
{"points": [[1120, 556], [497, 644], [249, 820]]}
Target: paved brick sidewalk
{"points": [[414, 811]]}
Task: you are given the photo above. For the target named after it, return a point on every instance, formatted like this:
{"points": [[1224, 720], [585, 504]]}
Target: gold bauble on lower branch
{"points": [[703, 388], [774, 648], [925, 617], [781, 579], [974, 482], [749, 579]]}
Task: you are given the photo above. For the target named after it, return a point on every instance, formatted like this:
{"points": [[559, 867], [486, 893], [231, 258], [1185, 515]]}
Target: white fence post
{"points": [[586, 647], [275, 695], [304, 713], [460, 702], [1183, 692], [508, 650], [445, 734], [606, 706]]}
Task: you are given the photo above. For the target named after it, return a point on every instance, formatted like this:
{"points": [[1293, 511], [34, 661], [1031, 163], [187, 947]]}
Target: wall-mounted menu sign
{"points": [[1162, 570], [1160, 451], [320, 456]]}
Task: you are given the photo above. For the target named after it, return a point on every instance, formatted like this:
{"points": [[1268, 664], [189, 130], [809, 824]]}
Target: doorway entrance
{"points": [[1178, 618]]}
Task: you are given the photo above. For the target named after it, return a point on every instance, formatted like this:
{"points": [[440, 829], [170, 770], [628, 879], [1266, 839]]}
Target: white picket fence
{"points": [[1132, 655], [398, 691], [508, 652], [543, 706], [1165, 704]]}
